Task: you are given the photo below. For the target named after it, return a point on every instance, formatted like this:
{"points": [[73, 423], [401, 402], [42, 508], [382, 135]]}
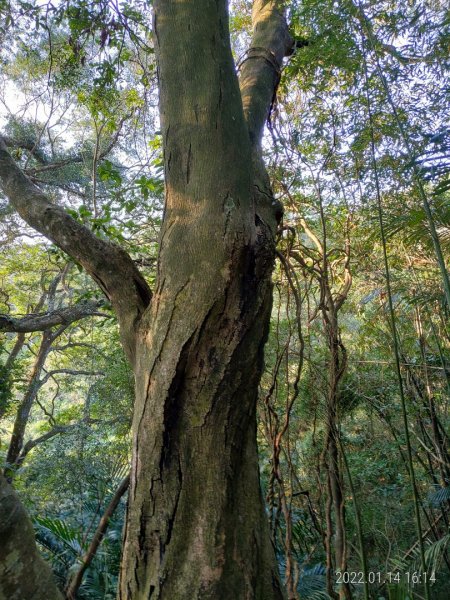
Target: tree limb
{"points": [[108, 264], [50, 374], [57, 430], [40, 322], [261, 68], [258, 81], [43, 438], [20, 341]]}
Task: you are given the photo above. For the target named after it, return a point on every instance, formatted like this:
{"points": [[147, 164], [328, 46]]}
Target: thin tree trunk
{"points": [[23, 412], [20, 341], [97, 538], [337, 367], [328, 535], [5, 371]]}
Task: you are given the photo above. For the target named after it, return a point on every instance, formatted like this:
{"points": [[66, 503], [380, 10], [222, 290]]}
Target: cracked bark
{"points": [[196, 525]]}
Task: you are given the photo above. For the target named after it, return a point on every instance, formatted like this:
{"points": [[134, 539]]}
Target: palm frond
{"points": [[439, 496], [311, 585]]}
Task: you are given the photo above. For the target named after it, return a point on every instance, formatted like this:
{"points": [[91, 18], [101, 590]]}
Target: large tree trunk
{"points": [[196, 524], [23, 573]]}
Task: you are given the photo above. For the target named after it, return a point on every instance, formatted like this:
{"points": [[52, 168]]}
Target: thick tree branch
{"points": [[259, 79], [261, 69], [40, 322], [108, 264]]}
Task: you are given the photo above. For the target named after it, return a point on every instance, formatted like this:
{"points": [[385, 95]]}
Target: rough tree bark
{"points": [[23, 573], [196, 524], [41, 322]]}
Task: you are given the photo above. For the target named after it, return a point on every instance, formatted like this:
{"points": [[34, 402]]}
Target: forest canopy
{"points": [[224, 300]]}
